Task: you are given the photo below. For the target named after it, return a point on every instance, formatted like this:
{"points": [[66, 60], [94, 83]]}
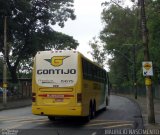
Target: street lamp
{"points": [[134, 68]]}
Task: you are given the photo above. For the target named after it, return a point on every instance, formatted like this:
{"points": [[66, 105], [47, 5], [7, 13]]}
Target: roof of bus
{"points": [[69, 51], [57, 51]]}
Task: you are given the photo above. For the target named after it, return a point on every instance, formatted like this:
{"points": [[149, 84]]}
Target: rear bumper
{"points": [[57, 111]]}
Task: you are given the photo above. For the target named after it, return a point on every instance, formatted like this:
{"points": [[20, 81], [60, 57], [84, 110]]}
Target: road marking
{"points": [[21, 123], [109, 122], [116, 126], [15, 126], [6, 118], [31, 120], [100, 120], [11, 117], [23, 119], [97, 124], [94, 133]]}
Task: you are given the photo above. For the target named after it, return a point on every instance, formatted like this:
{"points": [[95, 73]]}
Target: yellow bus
{"points": [[65, 83]]}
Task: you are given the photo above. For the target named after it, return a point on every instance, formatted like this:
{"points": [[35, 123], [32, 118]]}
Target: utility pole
{"points": [[4, 63], [148, 81]]}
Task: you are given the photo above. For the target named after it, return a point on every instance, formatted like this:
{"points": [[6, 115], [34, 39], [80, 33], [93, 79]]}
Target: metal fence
{"points": [[141, 91], [20, 90]]}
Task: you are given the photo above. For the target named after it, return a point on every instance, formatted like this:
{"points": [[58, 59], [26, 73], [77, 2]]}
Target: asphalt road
{"points": [[122, 113]]}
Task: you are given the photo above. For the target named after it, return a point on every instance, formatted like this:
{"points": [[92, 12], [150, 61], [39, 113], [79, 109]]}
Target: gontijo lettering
{"points": [[56, 71]]}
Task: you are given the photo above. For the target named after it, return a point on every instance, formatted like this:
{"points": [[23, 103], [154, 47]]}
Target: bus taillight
{"points": [[79, 97], [33, 97]]}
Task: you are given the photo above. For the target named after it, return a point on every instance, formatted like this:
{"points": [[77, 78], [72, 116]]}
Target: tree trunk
{"points": [[13, 69], [13, 74]]}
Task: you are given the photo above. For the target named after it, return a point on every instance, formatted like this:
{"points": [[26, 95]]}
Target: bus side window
{"points": [[84, 68]]}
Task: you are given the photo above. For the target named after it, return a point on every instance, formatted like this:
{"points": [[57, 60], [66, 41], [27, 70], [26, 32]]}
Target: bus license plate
{"points": [[59, 100]]}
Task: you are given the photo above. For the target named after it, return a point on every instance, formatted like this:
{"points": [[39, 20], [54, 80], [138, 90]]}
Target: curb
{"points": [[16, 104], [146, 125]]}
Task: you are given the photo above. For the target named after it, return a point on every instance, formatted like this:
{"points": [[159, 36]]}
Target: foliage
{"points": [[153, 14], [97, 54], [118, 37], [1, 66], [122, 30], [29, 28]]}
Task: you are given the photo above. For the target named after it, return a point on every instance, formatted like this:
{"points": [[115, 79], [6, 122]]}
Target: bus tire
{"points": [[51, 118], [90, 113], [94, 110], [105, 108], [106, 102]]}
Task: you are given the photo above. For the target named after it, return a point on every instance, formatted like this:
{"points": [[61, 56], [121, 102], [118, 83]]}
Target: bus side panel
{"points": [[93, 92], [87, 96], [94, 86]]}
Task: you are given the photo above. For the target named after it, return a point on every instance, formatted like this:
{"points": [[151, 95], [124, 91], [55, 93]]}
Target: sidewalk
{"points": [[143, 106], [15, 104]]}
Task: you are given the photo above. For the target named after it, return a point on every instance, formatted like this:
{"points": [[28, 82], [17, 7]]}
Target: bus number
{"points": [[55, 86]]}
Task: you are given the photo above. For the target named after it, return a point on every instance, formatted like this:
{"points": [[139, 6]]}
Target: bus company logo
{"points": [[56, 61]]}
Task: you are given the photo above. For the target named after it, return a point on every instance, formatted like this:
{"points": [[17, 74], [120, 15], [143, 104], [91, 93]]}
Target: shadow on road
{"points": [[78, 122]]}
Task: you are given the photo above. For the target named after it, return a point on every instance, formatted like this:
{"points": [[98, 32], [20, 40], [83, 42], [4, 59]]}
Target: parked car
{"points": [[7, 91]]}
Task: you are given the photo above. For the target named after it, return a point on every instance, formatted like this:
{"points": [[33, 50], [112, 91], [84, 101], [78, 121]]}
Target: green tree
{"points": [[97, 53], [1, 66], [153, 14], [120, 28], [29, 28]]}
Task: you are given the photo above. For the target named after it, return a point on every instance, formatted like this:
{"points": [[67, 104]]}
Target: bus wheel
{"points": [[106, 102], [105, 108], [93, 110], [91, 114], [51, 118], [89, 117]]}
